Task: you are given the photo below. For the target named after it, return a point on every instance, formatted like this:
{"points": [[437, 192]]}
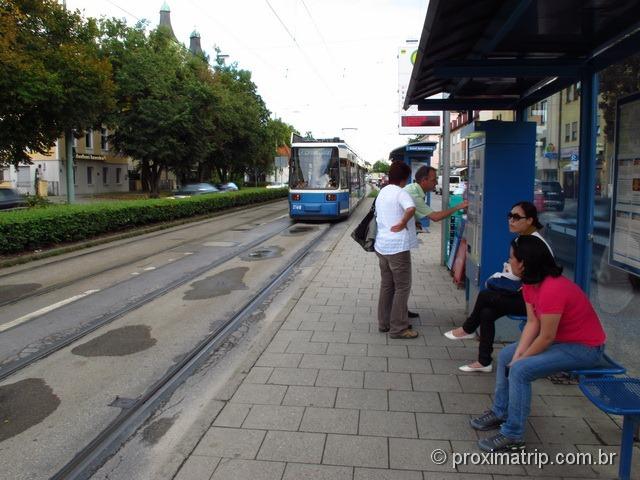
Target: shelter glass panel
{"points": [[557, 173], [615, 292]]}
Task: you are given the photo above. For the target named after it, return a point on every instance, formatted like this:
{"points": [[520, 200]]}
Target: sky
{"points": [[325, 66]]}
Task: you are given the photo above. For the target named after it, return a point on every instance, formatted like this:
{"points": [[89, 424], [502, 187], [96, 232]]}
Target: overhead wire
{"points": [[304, 54], [315, 25], [243, 44]]}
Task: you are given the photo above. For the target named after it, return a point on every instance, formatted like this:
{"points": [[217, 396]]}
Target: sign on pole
{"points": [[413, 121]]}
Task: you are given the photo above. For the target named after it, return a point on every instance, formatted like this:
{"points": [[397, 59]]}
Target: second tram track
{"points": [[108, 441], [11, 368], [59, 285]]}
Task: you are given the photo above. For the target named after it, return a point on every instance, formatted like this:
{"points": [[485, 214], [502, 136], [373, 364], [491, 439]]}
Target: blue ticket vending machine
{"points": [[501, 159]]}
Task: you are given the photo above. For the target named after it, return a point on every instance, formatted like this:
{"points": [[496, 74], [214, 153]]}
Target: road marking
{"points": [[135, 273], [44, 310], [149, 268]]}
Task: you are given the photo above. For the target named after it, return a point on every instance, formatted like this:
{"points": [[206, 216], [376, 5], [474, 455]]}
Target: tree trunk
{"points": [[154, 181]]}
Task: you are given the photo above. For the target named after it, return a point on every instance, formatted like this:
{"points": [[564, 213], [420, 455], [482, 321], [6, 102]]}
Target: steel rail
{"points": [[11, 368], [106, 443], [57, 286]]}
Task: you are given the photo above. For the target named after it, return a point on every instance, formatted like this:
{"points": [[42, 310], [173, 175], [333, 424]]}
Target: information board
{"points": [[624, 249]]}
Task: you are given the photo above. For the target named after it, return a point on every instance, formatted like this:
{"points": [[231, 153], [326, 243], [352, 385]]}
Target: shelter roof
{"points": [[505, 54]]}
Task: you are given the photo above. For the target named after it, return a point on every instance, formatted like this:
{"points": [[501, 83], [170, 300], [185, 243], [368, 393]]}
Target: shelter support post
{"points": [[446, 170], [587, 179]]}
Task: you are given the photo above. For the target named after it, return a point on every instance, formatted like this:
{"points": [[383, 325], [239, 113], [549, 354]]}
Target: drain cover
{"points": [[263, 253], [259, 253]]}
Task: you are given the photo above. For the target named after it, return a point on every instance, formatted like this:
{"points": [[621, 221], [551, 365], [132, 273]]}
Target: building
{"points": [[97, 168]]}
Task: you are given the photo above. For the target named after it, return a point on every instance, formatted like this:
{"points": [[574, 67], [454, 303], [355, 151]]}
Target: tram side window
{"points": [[344, 173], [355, 178]]}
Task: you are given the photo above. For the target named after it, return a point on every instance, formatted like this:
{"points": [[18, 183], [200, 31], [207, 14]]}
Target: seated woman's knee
{"points": [[506, 354]]}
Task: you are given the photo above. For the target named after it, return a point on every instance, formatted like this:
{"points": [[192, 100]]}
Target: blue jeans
{"points": [[513, 394]]}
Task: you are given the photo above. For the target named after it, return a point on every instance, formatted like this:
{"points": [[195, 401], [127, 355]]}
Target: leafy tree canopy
{"points": [[380, 167], [52, 76]]}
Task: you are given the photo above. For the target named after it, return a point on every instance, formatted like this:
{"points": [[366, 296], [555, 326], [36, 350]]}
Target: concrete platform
{"points": [[332, 398]]}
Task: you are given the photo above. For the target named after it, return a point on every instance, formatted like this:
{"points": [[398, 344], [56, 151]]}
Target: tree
{"points": [[241, 121], [616, 81], [380, 167], [52, 78], [159, 97]]}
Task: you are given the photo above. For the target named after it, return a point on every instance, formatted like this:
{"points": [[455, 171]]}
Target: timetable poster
{"points": [[625, 223]]}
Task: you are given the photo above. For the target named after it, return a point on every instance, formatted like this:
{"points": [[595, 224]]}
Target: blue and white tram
{"points": [[326, 179]]}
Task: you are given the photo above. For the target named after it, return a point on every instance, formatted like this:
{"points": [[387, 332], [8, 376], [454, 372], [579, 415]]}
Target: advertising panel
{"points": [[624, 250], [413, 121]]}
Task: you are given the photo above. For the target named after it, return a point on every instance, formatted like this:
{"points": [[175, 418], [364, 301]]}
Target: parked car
{"points": [[538, 197], [191, 189], [11, 198], [560, 230], [459, 189], [553, 195], [227, 187], [454, 180], [278, 185]]}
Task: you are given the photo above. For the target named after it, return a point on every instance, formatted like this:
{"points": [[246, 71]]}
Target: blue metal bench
{"points": [[519, 318], [608, 367], [617, 396]]}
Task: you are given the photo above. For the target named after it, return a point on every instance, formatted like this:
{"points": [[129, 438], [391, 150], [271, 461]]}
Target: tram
{"points": [[326, 179]]}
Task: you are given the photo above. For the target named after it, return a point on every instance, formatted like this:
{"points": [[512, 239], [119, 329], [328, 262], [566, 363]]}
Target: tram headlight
{"points": [[331, 197], [295, 196]]}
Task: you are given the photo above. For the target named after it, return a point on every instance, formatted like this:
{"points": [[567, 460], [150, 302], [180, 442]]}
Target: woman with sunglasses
{"points": [[493, 304], [563, 333]]}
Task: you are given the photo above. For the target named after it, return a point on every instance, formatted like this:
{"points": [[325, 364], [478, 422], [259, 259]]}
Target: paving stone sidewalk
{"points": [[331, 398]]}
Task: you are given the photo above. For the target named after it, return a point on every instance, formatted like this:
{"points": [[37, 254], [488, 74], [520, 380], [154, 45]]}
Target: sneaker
{"points": [[483, 369], [500, 443], [383, 329], [487, 421], [467, 336], [413, 314], [406, 334]]}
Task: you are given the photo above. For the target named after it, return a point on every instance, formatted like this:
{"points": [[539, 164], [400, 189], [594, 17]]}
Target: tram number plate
{"points": [[296, 207]]}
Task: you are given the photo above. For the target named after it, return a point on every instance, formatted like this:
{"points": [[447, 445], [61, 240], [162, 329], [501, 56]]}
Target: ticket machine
{"points": [[501, 157]]}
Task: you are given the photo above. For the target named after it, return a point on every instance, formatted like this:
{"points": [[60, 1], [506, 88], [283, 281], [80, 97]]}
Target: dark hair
{"points": [[537, 260], [530, 211], [423, 172], [398, 172]]}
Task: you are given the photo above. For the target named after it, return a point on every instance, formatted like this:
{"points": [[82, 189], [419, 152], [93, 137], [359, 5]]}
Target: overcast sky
{"points": [[320, 65]]}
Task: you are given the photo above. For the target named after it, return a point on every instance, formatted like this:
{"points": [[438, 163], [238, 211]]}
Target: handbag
{"points": [[365, 233]]}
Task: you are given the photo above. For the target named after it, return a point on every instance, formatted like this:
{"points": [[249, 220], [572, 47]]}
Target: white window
{"points": [[88, 138], [89, 175]]}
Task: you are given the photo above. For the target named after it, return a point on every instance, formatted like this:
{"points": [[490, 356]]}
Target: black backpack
{"points": [[365, 232]]}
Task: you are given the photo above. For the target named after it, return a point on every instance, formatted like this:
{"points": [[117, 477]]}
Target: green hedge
{"points": [[24, 230]]}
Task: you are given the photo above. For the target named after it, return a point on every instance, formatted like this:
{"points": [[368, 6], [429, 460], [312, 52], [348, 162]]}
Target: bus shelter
{"points": [[522, 56]]}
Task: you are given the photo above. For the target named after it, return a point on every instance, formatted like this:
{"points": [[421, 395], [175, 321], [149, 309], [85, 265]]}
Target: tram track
{"points": [[5, 278], [10, 368], [109, 440]]}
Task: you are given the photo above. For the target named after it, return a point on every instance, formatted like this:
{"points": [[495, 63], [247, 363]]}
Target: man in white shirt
{"points": [[395, 237]]}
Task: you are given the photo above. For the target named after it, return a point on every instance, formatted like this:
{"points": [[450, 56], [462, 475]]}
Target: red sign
{"points": [[421, 121]]}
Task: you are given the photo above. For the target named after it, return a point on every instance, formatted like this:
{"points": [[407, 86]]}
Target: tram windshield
{"points": [[314, 168]]}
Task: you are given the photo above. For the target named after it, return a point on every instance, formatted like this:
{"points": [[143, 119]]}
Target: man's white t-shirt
{"points": [[391, 203]]}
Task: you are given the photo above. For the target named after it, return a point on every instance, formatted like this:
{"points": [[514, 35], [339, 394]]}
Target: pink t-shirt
{"points": [[579, 323]]}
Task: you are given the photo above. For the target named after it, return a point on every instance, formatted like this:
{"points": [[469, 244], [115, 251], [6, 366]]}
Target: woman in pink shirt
{"points": [[562, 333]]}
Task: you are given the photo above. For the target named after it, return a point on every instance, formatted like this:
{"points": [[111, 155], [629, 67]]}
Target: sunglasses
{"points": [[514, 216]]}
